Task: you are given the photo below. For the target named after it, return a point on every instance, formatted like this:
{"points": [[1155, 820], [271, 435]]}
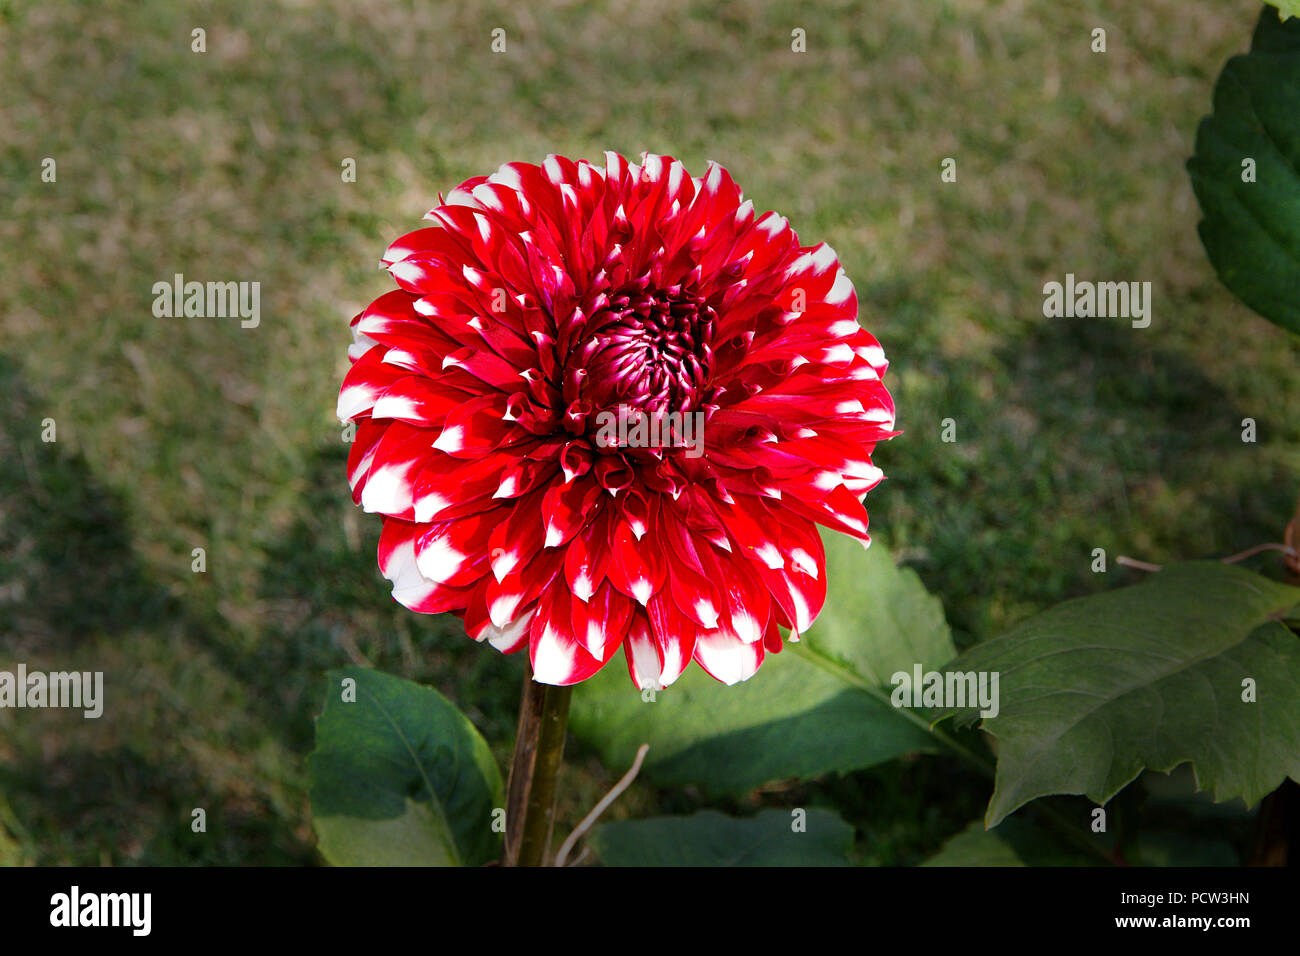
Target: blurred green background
{"points": [[182, 433]]}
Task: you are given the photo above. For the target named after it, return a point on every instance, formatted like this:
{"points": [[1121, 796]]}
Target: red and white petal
{"points": [[601, 622], [675, 635], [557, 656], [694, 594], [745, 599], [368, 378], [727, 659], [456, 552], [645, 661], [511, 637], [637, 571], [586, 559], [566, 509], [516, 541], [475, 427], [507, 597], [389, 486], [412, 589]]}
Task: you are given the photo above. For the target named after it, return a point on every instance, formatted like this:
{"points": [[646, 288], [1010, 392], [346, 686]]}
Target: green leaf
{"points": [[709, 838], [1013, 843], [1251, 230], [1150, 676], [1287, 8], [401, 777], [819, 706]]}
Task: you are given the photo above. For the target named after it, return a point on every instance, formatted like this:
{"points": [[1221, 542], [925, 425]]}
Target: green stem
{"points": [[539, 751]]}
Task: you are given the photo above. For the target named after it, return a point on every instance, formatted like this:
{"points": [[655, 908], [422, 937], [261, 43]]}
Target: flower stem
{"points": [[539, 750]]}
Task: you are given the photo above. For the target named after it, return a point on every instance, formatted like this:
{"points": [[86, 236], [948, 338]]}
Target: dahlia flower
{"points": [[523, 400]]}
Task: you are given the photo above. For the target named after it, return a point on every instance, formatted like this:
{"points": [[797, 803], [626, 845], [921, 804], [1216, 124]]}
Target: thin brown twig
{"points": [[1286, 549], [1128, 562], [1269, 546], [350, 648], [601, 807]]}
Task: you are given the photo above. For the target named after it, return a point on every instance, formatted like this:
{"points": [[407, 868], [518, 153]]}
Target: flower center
{"points": [[649, 352]]}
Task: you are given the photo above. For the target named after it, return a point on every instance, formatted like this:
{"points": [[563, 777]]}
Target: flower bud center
{"points": [[649, 352]]}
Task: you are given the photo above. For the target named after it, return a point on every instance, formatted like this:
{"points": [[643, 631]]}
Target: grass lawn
{"points": [[176, 434]]}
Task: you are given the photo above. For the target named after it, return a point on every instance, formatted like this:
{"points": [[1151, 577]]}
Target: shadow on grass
{"points": [[74, 594], [329, 606], [67, 566], [132, 808], [242, 727], [1117, 444], [1154, 425]]}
